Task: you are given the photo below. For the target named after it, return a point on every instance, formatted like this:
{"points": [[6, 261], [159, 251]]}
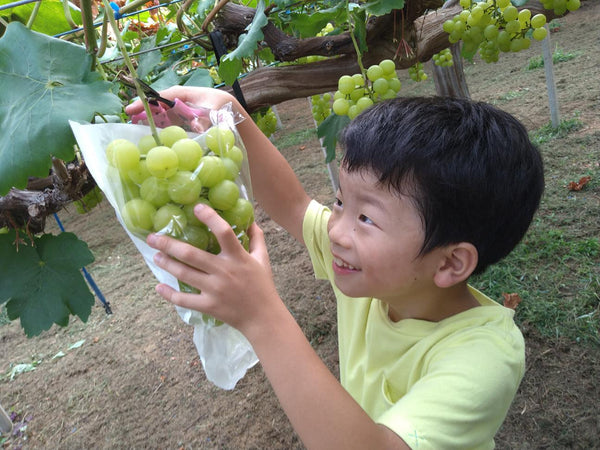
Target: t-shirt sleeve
{"points": [[314, 232], [454, 406]]}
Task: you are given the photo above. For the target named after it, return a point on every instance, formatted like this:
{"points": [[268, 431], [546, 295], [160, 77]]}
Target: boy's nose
{"points": [[339, 231]]}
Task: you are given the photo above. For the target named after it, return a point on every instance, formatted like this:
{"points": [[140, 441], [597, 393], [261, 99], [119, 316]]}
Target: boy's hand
{"points": [[198, 96], [236, 286]]}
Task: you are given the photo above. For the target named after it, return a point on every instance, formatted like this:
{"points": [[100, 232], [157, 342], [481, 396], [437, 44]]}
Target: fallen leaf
{"points": [[579, 185], [302, 147], [511, 300]]}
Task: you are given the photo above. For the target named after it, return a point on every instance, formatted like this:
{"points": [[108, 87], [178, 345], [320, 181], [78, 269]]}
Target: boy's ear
{"points": [[457, 265]]}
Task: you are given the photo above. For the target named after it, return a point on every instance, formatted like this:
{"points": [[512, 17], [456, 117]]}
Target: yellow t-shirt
{"points": [[438, 385]]}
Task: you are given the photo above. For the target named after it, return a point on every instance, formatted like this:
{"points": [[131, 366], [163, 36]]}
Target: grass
{"points": [[548, 132], [556, 267], [295, 138], [558, 56]]}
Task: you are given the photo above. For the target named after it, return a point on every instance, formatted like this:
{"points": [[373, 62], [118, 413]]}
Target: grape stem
{"points": [[355, 43], [113, 23]]}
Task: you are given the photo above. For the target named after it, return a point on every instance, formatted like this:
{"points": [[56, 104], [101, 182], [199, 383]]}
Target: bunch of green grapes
{"points": [[86, 203], [214, 74], [561, 6], [320, 107], [161, 184], [496, 26], [443, 58], [417, 72], [266, 121], [359, 91]]}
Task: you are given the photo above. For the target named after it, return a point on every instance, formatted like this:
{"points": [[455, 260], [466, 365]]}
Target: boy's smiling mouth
{"points": [[340, 264]]}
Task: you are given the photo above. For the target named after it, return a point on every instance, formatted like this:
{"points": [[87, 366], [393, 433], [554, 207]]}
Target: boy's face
{"points": [[375, 239]]}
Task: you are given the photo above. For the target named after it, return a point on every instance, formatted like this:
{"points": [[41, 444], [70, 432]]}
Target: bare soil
{"points": [[137, 382]]}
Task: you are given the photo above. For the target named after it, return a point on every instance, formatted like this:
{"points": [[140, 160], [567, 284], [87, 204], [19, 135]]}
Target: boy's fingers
{"points": [[189, 301], [219, 227], [258, 246]]}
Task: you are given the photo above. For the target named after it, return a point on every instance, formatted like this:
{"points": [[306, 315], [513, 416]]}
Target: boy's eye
{"points": [[365, 219], [337, 202]]}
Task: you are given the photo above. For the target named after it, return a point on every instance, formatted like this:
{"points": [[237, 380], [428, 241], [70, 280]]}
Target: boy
{"points": [[432, 190]]}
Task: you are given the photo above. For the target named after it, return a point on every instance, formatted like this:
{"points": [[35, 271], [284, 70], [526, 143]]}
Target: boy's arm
{"points": [[237, 287], [274, 184]]}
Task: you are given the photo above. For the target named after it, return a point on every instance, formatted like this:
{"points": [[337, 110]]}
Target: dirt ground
{"points": [[136, 380]]}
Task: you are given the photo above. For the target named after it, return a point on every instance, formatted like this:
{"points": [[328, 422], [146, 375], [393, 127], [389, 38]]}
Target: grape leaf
{"points": [[44, 83], [381, 7], [310, 24], [43, 284], [231, 64], [49, 19], [329, 130]]}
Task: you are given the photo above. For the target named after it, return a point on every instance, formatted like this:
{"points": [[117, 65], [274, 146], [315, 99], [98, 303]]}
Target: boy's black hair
{"points": [[470, 169]]}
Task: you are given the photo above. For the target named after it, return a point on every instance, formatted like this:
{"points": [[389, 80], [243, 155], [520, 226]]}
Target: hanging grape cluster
{"points": [[357, 92], [320, 107], [266, 121], [417, 72], [495, 26], [443, 58], [88, 201], [561, 6]]}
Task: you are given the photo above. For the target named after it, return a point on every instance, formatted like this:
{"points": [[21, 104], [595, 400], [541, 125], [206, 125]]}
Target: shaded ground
{"points": [[136, 381]]}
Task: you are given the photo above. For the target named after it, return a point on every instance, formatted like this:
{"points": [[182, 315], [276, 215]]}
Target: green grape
{"points": [[138, 215], [196, 236], [359, 80], [235, 154], [538, 21], [146, 143], [502, 3], [380, 86], [169, 219], [240, 216], [188, 152], [573, 5], [395, 84], [510, 13], [155, 190], [388, 66], [364, 103], [524, 15], [211, 170], [130, 189], [224, 195], [465, 3], [448, 26], [162, 162], [512, 27], [169, 135], [353, 111], [219, 138], [539, 34], [374, 72], [232, 170], [124, 155], [188, 210], [345, 84], [184, 187], [139, 173], [341, 106], [358, 93]]}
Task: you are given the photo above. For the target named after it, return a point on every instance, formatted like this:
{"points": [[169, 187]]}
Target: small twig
{"points": [[212, 14]]}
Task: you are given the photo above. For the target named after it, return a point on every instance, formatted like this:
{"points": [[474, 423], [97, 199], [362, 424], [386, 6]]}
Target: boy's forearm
{"points": [[321, 411], [274, 184]]}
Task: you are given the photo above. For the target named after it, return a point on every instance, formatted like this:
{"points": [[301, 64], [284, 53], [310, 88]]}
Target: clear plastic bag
{"points": [[160, 198]]}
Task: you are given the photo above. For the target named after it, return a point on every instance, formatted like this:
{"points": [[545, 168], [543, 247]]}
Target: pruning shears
{"points": [[174, 112]]}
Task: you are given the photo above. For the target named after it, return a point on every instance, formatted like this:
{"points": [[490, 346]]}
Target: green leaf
{"points": [[306, 25], [231, 64], [329, 130], [360, 28], [43, 284], [148, 60], [50, 18], [44, 83], [200, 77], [381, 7]]}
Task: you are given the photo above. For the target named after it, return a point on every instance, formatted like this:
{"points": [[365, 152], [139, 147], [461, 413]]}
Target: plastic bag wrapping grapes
{"points": [[225, 353]]}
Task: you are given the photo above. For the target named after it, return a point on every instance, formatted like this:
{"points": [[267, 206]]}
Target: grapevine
{"points": [[89, 201]]}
